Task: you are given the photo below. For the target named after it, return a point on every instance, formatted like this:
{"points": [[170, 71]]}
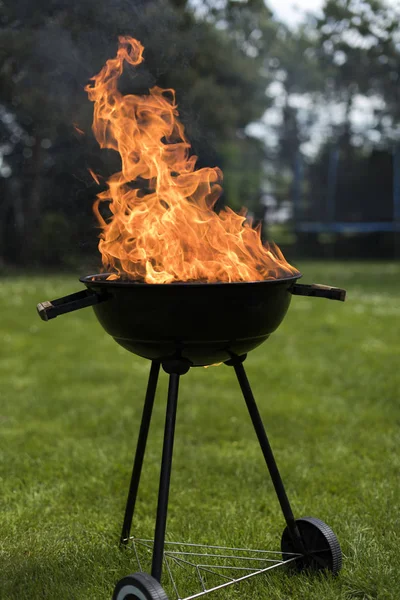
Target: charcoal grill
{"points": [[179, 326]]}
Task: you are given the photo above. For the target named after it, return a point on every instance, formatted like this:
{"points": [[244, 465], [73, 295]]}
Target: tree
{"points": [[49, 50], [357, 46]]}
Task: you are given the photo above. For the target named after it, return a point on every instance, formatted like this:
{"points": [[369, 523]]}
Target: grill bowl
{"points": [[204, 323]]}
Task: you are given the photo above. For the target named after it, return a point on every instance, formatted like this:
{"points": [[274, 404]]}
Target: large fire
{"points": [[163, 228]]}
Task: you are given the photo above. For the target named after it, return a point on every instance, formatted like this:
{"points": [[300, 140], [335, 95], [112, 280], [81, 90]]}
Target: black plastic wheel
{"points": [[322, 548], [139, 586]]}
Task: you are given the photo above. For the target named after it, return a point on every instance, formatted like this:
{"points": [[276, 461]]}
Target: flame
{"points": [[78, 130], [163, 227], [95, 177]]}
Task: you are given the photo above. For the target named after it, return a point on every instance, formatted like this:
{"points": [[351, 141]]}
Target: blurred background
{"points": [[299, 106]]}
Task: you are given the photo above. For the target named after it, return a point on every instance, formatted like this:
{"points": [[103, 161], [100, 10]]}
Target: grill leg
{"points": [[268, 454], [140, 450], [165, 476]]}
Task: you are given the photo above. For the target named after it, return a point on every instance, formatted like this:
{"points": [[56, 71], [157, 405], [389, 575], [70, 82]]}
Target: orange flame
{"points": [[78, 130], [95, 177], [163, 227]]}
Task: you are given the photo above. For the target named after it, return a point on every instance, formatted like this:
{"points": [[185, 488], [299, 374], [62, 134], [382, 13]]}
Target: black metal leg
{"points": [[268, 454], [140, 450], [165, 476]]}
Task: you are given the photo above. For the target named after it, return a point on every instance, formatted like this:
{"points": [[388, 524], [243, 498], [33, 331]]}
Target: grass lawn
{"points": [[328, 388]]}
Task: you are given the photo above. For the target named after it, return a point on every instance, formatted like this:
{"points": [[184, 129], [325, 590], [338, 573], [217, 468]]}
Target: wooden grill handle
{"points": [[319, 291], [50, 309]]}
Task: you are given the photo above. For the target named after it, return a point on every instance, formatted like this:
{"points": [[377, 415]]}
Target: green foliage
{"points": [[220, 57], [337, 64], [47, 55]]}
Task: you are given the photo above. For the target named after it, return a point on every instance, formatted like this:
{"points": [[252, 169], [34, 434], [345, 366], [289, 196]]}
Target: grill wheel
{"points": [[139, 586], [322, 547]]}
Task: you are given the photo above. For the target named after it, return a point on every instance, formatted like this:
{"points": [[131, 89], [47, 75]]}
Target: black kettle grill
{"points": [[179, 326]]}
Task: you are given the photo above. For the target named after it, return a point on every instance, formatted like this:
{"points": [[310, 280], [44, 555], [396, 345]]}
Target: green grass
{"points": [[328, 387]]}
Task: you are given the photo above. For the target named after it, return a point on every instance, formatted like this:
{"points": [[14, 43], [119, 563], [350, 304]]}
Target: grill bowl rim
{"points": [[101, 278]]}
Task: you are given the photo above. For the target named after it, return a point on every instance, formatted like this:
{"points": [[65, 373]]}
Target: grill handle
{"points": [[50, 309], [319, 291]]}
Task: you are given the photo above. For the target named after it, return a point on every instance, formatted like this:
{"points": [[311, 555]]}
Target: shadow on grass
{"points": [[76, 573]]}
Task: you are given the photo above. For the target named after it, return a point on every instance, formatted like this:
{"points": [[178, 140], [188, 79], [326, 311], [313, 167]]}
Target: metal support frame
{"points": [[140, 450], [268, 454], [176, 368], [165, 477], [209, 568]]}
